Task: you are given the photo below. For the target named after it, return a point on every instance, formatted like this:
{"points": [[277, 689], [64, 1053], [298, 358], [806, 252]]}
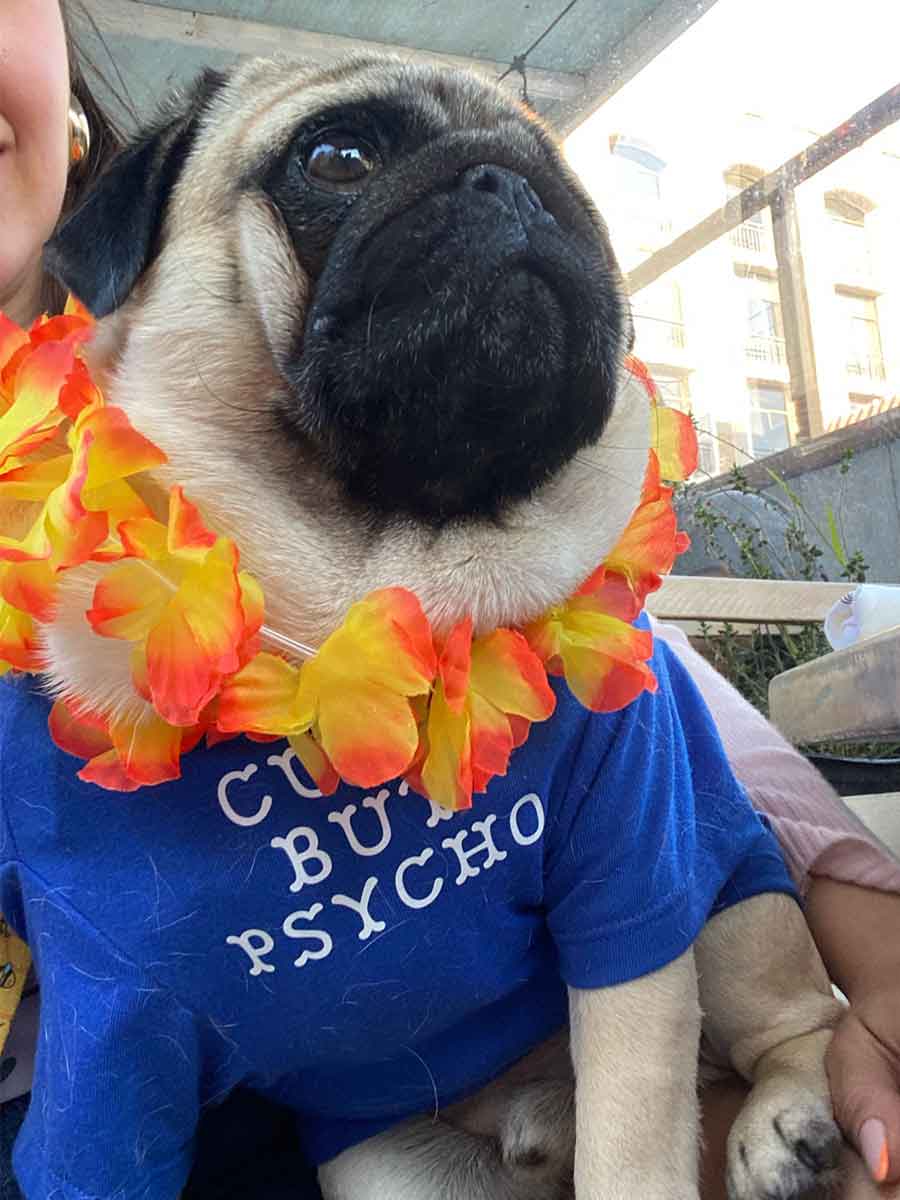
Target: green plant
{"points": [[749, 660]]}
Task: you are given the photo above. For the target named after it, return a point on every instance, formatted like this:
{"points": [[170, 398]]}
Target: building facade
{"points": [[713, 329]]}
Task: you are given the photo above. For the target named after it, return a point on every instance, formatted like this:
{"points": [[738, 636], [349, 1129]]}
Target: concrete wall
{"points": [[865, 501]]}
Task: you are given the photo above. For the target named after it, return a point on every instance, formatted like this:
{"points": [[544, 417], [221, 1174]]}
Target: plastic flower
{"points": [[181, 597], [486, 697], [592, 642], [672, 433], [651, 541], [375, 702], [122, 755], [354, 695]]}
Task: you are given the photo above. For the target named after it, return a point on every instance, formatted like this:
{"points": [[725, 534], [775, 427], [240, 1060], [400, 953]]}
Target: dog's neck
{"points": [[314, 559]]}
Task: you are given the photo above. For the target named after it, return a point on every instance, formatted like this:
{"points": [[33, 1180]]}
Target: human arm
{"points": [[852, 887]]}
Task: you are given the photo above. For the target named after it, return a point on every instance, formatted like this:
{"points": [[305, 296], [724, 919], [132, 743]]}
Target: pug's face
{"points": [[378, 327]]}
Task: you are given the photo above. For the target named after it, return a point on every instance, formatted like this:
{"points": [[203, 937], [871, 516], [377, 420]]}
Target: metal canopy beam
{"points": [[627, 58], [191, 28]]}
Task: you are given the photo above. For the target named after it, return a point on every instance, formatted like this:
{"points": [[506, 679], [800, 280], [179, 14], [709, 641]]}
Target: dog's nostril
{"points": [[512, 189]]}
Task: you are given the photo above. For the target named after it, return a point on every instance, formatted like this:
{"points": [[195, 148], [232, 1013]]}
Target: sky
{"points": [[810, 63]]}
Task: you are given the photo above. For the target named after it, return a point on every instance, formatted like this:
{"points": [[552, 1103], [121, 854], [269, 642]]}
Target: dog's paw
{"points": [[783, 1153], [537, 1140]]}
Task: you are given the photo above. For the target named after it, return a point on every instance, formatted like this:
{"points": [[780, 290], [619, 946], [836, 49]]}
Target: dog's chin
{"points": [[314, 560]]}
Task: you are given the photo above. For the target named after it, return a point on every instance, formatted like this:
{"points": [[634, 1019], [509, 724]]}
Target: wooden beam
{"points": [[744, 601], [849, 695], [853, 132], [127, 18], [798, 331]]}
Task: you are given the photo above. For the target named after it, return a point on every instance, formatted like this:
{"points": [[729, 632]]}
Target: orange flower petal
{"points": [[650, 542], [34, 547], [195, 642], [252, 602], [385, 638], [37, 386], [148, 749], [454, 664], [19, 647], [144, 537], [73, 734], [446, 773], [79, 392], [12, 338], [30, 587], [186, 530], [118, 450], [74, 308], [263, 697], [492, 737], [367, 731], [635, 367], [507, 672], [119, 501], [603, 683], [128, 601], [68, 327], [613, 598], [33, 480], [107, 772], [675, 442], [74, 532], [315, 762]]}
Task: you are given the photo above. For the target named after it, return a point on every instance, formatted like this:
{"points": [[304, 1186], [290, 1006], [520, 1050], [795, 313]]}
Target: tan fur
{"points": [[195, 374], [618, 1120], [191, 357]]}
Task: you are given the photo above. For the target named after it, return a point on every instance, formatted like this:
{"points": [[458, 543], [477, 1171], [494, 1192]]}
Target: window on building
{"points": [[640, 167], [755, 233], [708, 463], [847, 213], [765, 328], [674, 390], [658, 324], [769, 426], [863, 354]]}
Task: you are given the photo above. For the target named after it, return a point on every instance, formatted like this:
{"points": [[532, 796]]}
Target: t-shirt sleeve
{"points": [[652, 834], [115, 1099]]}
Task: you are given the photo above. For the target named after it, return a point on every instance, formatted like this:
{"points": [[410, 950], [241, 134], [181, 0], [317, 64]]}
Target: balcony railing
{"points": [[658, 333], [766, 350], [750, 236], [866, 367]]}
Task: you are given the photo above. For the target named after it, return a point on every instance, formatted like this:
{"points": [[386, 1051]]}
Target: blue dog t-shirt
{"points": [[359, 958]]}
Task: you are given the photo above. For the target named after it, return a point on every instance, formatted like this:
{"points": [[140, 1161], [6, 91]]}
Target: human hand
{"points": [[863, 1066]]}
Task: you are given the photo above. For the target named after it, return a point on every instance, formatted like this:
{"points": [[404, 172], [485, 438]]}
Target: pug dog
{"points": [[379, 329]]}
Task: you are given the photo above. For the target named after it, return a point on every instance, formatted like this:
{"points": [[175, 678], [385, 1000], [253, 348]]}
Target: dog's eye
{"points": [[340, 161]]}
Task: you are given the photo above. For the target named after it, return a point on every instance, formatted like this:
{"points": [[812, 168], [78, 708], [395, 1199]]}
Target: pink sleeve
{"points": [[818, 833]]}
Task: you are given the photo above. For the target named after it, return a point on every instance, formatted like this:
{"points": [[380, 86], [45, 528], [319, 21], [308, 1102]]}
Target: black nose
{"points": [[511, 189]]}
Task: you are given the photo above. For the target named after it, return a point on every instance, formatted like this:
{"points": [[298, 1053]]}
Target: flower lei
{"points": [[383, 697]]}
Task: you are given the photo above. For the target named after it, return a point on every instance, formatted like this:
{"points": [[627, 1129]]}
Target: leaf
{"points": [[835, 537]]}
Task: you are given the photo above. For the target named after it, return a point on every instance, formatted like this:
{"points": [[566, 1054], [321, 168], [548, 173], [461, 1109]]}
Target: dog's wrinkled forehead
{"points": [[253, 117]]}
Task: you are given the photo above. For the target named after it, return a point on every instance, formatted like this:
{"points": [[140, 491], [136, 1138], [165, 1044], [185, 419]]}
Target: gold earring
{"points": [[79, 134]]}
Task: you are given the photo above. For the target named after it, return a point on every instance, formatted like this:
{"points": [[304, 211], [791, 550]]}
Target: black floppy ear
{"points": [[101, 250]]}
